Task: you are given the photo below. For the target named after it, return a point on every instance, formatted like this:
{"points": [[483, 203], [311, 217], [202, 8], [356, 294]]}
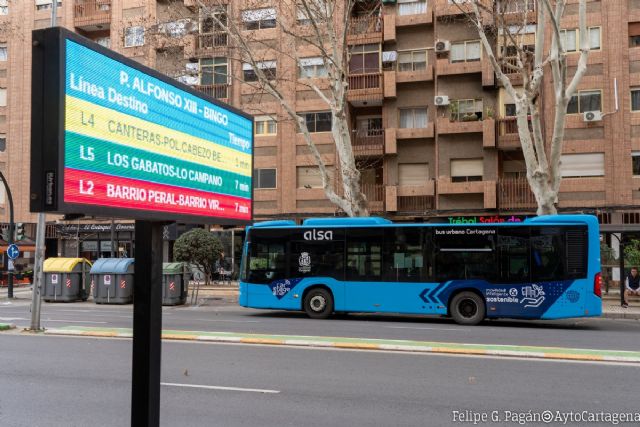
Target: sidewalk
{"points": [[610, 302]]}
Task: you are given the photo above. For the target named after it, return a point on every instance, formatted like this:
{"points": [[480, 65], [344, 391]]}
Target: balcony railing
{"points": [[519, 6], [360, 25], [92, 12], [515, 193], [416, 203], [369, 143], [375, 196], [219, 91], [365, 81], [213, 40]]}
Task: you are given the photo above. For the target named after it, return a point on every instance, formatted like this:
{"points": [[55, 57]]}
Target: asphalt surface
{"points": [[62, 381], [223, 315]]}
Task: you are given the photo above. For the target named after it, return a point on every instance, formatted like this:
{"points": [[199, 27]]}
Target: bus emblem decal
{"points": [[280, 288], [305, 262], [533, 296], [318, 235]]}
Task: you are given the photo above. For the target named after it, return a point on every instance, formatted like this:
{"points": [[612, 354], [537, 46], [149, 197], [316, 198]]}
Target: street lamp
{"points": [[11, 234]]}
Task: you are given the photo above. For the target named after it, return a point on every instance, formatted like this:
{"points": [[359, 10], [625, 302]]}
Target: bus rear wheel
{"points": [[467, 308], [318, 303]]}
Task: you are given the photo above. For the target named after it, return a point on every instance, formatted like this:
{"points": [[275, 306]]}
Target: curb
{"points": [[532, 352], [6, 326], [620, 315]]}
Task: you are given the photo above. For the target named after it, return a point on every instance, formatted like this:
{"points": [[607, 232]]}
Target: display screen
{"points": [[134, 142]]}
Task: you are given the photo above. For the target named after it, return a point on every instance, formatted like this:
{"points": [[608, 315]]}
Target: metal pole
{"points": [[54, 12], [113, 226], [147, 324], [38, 274], [622, 278], [11, 233]]}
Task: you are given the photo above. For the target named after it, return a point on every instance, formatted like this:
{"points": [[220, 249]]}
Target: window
{"points": [[582, 165], [318, 122], [635, 163], [3, 51], [463, 170], [364, 254], [312, 67], [513, 255], [46, 4], [404, 257], [3, 96], [214, 71], [309, 176], [509, 110], [4, 7], [317, 258], [259, 19], [569, 40], [585, 100], [547, 254], [364, 59], [315, 11], [594, 38], [413, 173], [465, 51], [267, 67], [415, 60], [264, 178], [412, 7], [134, 36], [369, 126], [463, 110], [267, 259], [413, 118], [464, 253], [634, 34], [635, 99], [514, 169], [3, 143], [265, 125]]}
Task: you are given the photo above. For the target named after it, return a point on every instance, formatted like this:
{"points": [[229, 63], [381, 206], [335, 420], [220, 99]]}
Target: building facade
{"points": [[433, 131]]}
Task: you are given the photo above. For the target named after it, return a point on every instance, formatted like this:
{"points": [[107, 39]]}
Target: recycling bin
{"points": [[112, 281], [66, 279], [174, 283]]}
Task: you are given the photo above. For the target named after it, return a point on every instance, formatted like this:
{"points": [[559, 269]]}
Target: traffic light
{"points": [[19, 231], [5, 233]]}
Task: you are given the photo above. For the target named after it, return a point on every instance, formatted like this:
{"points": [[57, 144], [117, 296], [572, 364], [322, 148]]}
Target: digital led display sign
{"points": [[114, 138]]}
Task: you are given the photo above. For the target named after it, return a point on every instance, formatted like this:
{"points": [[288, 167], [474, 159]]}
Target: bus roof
{"points": [[378, 221]]}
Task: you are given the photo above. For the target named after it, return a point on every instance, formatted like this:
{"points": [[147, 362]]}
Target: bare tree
{"points": [[320, 26], [501, 25]]}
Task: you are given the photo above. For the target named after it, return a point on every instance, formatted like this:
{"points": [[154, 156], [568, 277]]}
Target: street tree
{"points": [[502, 26], [200, 248]]}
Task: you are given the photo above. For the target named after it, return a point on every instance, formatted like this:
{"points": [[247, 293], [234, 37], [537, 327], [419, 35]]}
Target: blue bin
{"points": [[112, 281]]}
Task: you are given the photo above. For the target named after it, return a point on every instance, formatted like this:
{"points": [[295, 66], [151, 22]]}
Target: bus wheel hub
{"points": [[318, 303]]}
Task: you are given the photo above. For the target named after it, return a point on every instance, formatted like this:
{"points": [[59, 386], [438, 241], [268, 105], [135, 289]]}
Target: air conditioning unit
{"points": [[592, 116], [442, 46], [441, 100]]}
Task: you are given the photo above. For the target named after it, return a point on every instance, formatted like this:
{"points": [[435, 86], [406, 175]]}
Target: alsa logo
{"points": [[318, 235]]}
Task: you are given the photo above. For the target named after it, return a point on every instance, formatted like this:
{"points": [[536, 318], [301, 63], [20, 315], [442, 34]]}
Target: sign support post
{"points": [[147, 324]]}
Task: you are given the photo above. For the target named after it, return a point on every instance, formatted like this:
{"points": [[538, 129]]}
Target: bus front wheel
{"points": [[318, 303], [467, 308]]}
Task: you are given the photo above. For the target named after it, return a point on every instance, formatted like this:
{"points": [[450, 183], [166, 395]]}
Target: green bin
{"points": [[175, 280]]}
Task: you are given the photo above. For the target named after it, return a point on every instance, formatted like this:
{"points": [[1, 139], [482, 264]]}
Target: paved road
{"points": [[61, 381], [225, 316]]}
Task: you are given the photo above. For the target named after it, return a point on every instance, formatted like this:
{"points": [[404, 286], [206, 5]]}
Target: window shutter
{"points": [[634, 29], [258, 15], [574, 165], [304, 62], [467, 167], [3, 97], [42, 2], [413, 173]]}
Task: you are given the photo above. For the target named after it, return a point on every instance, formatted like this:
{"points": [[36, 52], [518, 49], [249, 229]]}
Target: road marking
{"points": [[8, 319], [213, 387], [430, 329], [73, 321], [228, 321]]}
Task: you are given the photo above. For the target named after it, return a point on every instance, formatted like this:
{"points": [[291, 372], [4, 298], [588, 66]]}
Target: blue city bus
{"points": [[546, 267]]}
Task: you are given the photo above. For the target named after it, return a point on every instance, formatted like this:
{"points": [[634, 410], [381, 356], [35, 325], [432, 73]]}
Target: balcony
{"points": [[212, 44], [508, 137], [487, 126], [365, 30], [375, 196], [509, 68], [92, 15], [219, 91], [517, 12], [369, 143], [486, 188], [365, 87], [448, 8], [411, 199], [515, 193]]}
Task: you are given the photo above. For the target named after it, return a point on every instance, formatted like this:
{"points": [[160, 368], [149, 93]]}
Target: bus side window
{"points": [[465, 253], [404, 259], [547, 254], [364, 254], [513, 255]]}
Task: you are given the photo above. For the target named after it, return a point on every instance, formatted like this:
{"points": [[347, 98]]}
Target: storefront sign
{"points": [[483, 219], [137, 144]]}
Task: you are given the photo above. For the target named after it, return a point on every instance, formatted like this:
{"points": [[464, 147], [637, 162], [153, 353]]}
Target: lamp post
{"points": [[11, 228]]}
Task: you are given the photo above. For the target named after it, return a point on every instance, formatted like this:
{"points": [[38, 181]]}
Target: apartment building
{"points": [[433, 131]]}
